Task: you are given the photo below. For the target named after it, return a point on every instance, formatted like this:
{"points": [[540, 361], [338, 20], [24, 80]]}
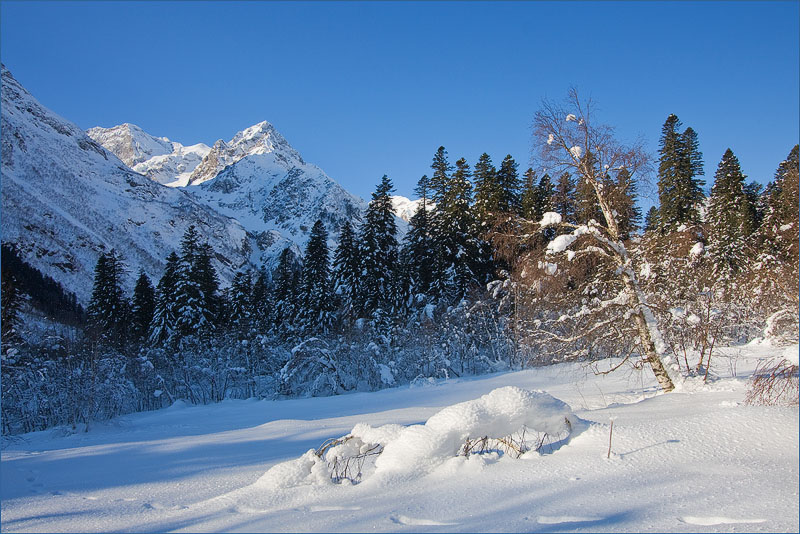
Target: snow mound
{"points": [[502, 412], [507, 413]]}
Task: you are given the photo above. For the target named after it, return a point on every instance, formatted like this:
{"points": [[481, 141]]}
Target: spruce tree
{"points": [[142, 307], [208, 282], [287, 289], [458, 262], [689, 186], [189, 302], [108, 307], [162, 329], [508, 187], [261, 301], [10, 304], [347, 272], [487, 192], [623, 199], [680, 192], [240, 298], [419, 252], [441, 175], [668, 170], [651, 220], [317, 294], [729, 216], [529, 199], [586, 205], [563, 199], [378, 251]]}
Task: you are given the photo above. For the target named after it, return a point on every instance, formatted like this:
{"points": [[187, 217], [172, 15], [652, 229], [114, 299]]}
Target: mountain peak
{"points": [[130, 143], [260, 138]]}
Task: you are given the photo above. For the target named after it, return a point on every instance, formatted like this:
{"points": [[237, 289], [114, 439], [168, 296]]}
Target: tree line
{"points": [[497, 271]]}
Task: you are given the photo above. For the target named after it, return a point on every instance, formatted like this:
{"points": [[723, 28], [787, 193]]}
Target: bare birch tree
{"points": [[610, 301]]}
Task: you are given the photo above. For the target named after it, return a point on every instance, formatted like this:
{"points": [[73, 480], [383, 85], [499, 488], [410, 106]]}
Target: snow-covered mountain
{"points": [[256, 178], [405, 208], [65, 199], [158, 158]]}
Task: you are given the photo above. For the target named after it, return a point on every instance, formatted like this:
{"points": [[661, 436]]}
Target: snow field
{"points": [[696, 460]]}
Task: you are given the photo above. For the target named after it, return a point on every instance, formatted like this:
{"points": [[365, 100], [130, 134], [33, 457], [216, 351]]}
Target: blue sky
{"points": [[367, 88]]}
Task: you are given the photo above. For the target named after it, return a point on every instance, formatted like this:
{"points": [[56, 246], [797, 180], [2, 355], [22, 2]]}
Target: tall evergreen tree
{"points": [[261, 301], [689, 186], [142, 307], [680, 192], [108, 308], [420, 254], [623, 199], [287, 289], [441, 176], [458, 262], [196, 299], [537, 198], [208, 281], [529, 199], [563, 199], [347, 273], [162, 329], [317, 293], [651, 219], [240, 307], [508, 186], [379, 254], [729, 216], [487, 191], [10, 304], [668, 169]]}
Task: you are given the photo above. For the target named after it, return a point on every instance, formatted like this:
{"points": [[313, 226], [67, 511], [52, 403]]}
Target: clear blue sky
{"points": [[367, 88]]}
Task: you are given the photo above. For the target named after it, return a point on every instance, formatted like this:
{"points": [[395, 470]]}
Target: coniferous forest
{"points": [[501, 268]]}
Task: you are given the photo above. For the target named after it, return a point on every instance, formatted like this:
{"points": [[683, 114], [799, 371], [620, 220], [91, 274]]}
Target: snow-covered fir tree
{"points": [[287, 288], [347, 273], [563, 199], [142, 307], [108, 308], [316, 296], [162, 329], [680, 192], [419, 247], [730, 216], [378, 252]]}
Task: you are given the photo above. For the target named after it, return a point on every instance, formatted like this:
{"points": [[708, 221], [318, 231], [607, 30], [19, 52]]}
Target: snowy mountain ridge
{"points": [[257, 178], [65, 200], [163, 161]]}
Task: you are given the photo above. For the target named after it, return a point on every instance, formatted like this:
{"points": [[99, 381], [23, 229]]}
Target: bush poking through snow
{"points": [[774, 382]]}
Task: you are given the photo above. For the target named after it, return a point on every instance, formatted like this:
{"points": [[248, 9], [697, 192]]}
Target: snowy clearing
{"points": [[695, 460]]}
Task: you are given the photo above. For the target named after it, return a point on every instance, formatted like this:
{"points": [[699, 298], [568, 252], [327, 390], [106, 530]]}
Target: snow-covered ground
{"points": [[695, 460]]}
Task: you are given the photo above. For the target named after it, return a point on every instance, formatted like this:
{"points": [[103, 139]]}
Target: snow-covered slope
{"points": [[694, 460], [158, 158], [405, 208], [256, 178], [65, 199]]}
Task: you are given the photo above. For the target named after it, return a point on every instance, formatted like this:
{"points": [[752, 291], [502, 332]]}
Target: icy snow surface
{"points": [[697, 459]]}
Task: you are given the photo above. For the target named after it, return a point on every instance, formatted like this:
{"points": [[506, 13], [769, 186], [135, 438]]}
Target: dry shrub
{"points": [[774, 382]]}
